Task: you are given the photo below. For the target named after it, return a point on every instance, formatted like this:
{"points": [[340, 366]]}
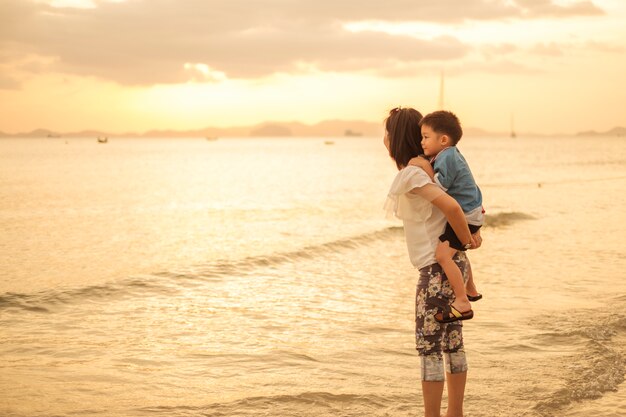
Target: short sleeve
{"points": [[429, 191], [409, 178], [403, 199]]}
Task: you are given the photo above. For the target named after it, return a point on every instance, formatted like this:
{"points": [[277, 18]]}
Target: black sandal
{"points": [[449, 314], [473, 298]]}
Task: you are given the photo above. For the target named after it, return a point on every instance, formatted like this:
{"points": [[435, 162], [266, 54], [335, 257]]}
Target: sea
{"points": [[261, 277]]}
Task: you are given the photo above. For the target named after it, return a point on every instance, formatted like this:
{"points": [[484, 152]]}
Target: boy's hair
{"points": [[405, 136], [444, 122]]}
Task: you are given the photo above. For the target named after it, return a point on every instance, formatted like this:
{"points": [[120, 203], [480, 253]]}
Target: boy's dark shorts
{"points": [[454, 242]]}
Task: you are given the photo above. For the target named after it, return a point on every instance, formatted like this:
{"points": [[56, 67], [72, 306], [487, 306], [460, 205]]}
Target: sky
{"points": [[554, 66]]}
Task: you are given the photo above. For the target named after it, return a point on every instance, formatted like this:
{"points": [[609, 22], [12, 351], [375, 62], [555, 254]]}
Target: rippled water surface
{"points": [[247, 277]]}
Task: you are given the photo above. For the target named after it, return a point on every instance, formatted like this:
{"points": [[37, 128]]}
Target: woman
{"points": [[424, 209]]}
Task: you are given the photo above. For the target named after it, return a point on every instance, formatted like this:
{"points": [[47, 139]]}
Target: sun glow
{"points": [[77, 4], [205, 72], [151, 72]]}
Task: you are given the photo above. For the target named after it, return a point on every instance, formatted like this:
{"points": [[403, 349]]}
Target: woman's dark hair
{"points": [[405, 135]]}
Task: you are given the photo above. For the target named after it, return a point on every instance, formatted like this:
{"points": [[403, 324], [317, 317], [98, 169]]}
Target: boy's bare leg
{"points": [[470, 287], [444, 255]]}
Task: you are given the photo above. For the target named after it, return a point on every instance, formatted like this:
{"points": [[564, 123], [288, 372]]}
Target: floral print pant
{"points": [[438, 341]]}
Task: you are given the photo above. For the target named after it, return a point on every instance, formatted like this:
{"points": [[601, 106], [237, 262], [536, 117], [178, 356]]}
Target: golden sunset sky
{"points": [[134, 65]]}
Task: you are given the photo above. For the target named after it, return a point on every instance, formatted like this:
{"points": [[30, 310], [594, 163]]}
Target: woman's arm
{"points": [[449, 207], [455, 216]]}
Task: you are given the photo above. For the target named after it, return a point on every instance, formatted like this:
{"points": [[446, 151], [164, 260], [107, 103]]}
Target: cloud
{"points": [[9, 83], [494, 67], [548, 8], [492, 51], [605, 47], [202, 72], [548, 49], [143, 42], [554, 49]]}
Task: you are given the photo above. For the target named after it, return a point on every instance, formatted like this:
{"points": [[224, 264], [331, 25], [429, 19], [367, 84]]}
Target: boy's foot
{"points": [[472, 292], [450, 314], [462, 304]]}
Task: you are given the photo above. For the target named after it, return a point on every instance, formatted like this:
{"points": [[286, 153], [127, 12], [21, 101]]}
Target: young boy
{"points": [[441, 131]]}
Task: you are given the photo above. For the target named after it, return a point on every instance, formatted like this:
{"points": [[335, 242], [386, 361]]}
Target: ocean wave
{"points": [[599, 369], [46, 301], [539, 183], [302, 404], [307, 252], [506, 218], [170, 282]]}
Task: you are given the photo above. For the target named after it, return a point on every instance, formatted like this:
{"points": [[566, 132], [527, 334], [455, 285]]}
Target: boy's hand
{"points": [[421, 162]]}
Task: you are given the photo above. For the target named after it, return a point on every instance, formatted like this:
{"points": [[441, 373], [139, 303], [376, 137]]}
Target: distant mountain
{"points": [[37, 133], [616, 131], [326, 128], [271, 130], [85, 134], [332, 128]]}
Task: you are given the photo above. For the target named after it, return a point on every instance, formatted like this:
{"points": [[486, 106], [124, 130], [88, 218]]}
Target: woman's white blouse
{"points": [[423, 222]]}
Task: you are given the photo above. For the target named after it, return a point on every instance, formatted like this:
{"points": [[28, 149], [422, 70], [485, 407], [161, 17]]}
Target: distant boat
{"points": [[329, 142], [350, 132], [103, 139], [211, 138]]}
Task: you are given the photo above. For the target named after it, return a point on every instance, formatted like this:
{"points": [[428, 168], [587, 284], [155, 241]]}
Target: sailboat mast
{"points": [[441, 92], [513, 134]]}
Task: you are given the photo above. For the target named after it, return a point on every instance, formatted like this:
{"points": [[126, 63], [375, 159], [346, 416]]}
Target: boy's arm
{"points": [[446, 168], [421, 162]]}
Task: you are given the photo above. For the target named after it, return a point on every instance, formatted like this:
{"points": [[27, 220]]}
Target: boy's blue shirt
{"points": [[453, 174]]}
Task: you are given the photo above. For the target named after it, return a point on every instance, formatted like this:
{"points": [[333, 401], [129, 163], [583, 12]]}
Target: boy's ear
{"points": [[445, 139]]}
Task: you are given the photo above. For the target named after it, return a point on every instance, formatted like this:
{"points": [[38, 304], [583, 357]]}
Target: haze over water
{"points": [[182, 277]]}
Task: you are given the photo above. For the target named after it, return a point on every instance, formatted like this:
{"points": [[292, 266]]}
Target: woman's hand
{"points": [[476, 240]]}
